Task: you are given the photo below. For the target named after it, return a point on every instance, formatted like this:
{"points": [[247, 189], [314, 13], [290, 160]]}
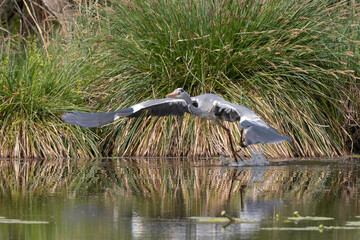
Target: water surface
{"points": [[154, 199]]}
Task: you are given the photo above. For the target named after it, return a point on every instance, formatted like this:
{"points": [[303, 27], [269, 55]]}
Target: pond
{"points": [[179, 199]]}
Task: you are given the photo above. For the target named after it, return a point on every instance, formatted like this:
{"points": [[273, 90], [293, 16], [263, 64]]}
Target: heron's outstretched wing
{"points": [[156, 107], [255, 129]]}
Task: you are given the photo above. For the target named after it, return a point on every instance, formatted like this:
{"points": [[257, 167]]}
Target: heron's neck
{"points": [[193, 110]]}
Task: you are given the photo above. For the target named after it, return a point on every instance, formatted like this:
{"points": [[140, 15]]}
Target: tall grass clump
{"points": [[36, 87], [294, 63]]}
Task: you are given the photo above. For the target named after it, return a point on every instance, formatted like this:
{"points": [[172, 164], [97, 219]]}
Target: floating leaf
{"points": [[297, 217], [18, 221], [353, 223], [311, 228], [310, 218], [219, 219]]}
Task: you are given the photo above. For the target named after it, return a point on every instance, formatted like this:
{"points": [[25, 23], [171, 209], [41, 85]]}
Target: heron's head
{"points": [[177, 93]]}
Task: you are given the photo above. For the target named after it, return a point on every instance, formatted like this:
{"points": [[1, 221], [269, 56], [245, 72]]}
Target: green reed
{"points": [[36, 87], [294, 63]]}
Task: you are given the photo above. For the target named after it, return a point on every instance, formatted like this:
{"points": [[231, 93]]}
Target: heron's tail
{"points": [[90, 120]]}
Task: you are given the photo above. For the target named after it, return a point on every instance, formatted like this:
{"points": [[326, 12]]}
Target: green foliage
{"points": [[36, 86], [294, 63]]}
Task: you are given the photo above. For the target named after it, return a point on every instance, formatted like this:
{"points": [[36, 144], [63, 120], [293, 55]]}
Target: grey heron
{"points": [[210, 106]]}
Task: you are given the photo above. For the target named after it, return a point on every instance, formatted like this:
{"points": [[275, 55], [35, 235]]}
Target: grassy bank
{"points": [[36, 87], [294, 63]]}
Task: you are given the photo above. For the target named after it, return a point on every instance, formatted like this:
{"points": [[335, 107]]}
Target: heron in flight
{"points": [[210, 106]]}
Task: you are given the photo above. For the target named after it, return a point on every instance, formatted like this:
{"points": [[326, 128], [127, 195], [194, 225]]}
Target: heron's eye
{"points": [[181, 90]]}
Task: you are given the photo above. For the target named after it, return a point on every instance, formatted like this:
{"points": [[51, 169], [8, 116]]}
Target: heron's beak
{"points": [[173, 94]]}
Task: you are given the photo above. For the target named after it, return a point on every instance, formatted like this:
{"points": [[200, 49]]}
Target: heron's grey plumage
{"points": [[256, 130], [154, 107], [209, 106], [88, 120]]}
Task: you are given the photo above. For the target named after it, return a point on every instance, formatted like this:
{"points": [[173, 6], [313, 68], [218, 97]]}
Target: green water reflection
{"points": [[153, 198]]}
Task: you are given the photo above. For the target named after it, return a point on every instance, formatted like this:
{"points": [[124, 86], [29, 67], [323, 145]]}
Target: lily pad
{"points": [[291, 229], [310, 228], [18, 221], [219, 220], [353, 223], [310, 218], [297, 217]]}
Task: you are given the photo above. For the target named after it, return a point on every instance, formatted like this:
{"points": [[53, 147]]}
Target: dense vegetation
{"points": [[294, 63]]}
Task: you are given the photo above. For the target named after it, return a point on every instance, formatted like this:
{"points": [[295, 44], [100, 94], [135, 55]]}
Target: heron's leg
{"points": [[234, 153], [242, 138], [242, 145]]}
